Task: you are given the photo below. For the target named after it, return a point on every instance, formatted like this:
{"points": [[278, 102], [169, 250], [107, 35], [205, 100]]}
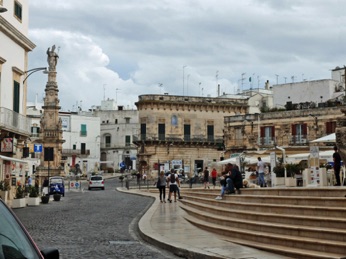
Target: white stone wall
{"points": [[308, 91]]}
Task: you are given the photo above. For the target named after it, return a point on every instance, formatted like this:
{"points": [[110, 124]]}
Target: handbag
{"points": [[158, 183]]}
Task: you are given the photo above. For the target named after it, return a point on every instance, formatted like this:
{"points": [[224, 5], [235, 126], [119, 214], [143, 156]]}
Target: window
{"points": [[330, 127], [299, 132], [127, 141], [83, 130], [162, 131], [18, 10], [35, 131], [108, 140], [143, 131], [210, 132], [267, 135], [16, 96], [187, 132], [116, 121], [127, 120], [82, 148], [74, 147]]}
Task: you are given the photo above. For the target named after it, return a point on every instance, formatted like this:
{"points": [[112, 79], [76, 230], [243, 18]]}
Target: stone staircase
{"points": [[295, 222]]}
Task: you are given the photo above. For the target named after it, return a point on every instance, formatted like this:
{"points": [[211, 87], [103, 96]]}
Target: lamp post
{"points": [[34, 70]]}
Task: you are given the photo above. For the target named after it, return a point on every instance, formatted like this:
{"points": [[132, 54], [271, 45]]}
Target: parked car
{"points": [[15, 241], [96, 181], [57, 185]]}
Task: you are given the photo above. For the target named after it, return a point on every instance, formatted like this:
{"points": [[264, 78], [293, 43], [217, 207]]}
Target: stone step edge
{"points": [[265, 214], [271, 235], [229, 201], [209, 193], [331, 231], [265, 246]]}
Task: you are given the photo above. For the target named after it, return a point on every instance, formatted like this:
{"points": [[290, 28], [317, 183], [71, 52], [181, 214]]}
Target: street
{"points": [[91, 224]]}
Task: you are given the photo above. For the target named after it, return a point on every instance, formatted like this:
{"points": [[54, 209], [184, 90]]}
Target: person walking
{"points": [[260, 170], [173, 182], [213, 177], [161, 183], [337, 165], [206, 178]]}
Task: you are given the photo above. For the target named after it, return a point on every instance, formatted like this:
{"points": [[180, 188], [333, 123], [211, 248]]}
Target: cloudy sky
{"points": [[120, 49]]}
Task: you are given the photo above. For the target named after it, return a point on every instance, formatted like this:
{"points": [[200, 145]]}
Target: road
{"points": [[91, 224]]}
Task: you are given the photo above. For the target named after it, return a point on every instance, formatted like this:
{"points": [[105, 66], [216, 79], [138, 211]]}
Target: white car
{"points": [[96, 181]]}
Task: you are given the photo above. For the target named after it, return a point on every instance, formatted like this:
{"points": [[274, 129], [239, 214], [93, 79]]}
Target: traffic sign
{"points": [[38, 148]]}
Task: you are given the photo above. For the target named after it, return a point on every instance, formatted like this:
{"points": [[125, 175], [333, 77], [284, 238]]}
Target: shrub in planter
{"points": [[279, 170], [19, 192], [33, 192], [45, 198]]}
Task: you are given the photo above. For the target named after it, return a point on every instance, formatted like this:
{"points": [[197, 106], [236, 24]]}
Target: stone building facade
{"points": [[182, 132], [292, 129]]}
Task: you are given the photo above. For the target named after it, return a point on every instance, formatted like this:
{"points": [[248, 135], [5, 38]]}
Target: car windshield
{"points": [[56, 180], [96, 178], [14, 243]]}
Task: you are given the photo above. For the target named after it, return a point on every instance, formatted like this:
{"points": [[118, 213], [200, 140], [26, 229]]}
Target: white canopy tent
{"points": [[327, 139], [327, 155]]}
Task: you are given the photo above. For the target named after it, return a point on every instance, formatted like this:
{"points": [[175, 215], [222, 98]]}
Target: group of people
{"points": [[171, 181], [231, 181]]}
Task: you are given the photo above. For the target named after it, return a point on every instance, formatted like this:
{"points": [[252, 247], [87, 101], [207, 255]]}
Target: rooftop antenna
{"points": [[104, 92], [292, 77], [217, 82], [285, 77], [160, 85], [242, 81], [277, 79]]}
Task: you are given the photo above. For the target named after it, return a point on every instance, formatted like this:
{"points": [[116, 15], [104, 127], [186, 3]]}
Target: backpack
{"points": [[172, 178]]}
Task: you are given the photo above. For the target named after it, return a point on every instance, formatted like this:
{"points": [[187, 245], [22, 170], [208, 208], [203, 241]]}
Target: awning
{"points": [[13, 159], [328, 139]]}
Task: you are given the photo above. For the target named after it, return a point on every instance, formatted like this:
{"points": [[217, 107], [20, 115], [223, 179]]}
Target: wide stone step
{"points": [[268, 239], [293, 200], [296, 219], [266, 226], [232, 204]]}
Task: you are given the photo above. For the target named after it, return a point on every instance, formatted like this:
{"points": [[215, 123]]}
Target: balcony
{"points": [[14, 122], [178, 139], [75, 152], [299, 140]]}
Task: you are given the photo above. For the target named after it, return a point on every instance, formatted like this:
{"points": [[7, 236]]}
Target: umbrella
{"points": [[329, 138]]}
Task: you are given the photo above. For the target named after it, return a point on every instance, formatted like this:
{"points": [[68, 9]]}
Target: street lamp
{"points": [[34, 70]]}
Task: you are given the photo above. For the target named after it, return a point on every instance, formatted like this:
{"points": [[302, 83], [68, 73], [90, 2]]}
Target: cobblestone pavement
{"points": [[91, 224]]}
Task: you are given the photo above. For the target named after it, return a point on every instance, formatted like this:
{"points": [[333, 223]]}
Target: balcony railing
{"points": [[76, 152], [14, 122], [177, 138], [299, 140]]}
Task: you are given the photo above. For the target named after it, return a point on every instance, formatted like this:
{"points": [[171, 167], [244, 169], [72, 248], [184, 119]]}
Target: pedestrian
{"points": [[213, 177], [260, 170], [29, 181], [161, 183], [223, 184], [173, 182], [337, 166], [206, 177]]}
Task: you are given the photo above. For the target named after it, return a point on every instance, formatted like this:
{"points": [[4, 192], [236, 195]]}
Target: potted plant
{"points": [[279, 172], [292, 170], [45, 198], [19, 200], [33, 200]]}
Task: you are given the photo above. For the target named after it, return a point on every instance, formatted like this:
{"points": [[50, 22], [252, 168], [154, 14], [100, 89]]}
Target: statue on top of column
{"points": [[52, 58]]}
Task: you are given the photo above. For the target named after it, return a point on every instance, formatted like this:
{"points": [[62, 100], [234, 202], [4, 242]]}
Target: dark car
{"points": [[16, 242]]}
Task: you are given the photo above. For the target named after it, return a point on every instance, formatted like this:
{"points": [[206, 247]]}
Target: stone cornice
{"points": [[15, 35]]}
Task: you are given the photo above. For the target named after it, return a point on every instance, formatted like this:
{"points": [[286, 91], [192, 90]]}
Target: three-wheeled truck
{"points": [[57, 185]]}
